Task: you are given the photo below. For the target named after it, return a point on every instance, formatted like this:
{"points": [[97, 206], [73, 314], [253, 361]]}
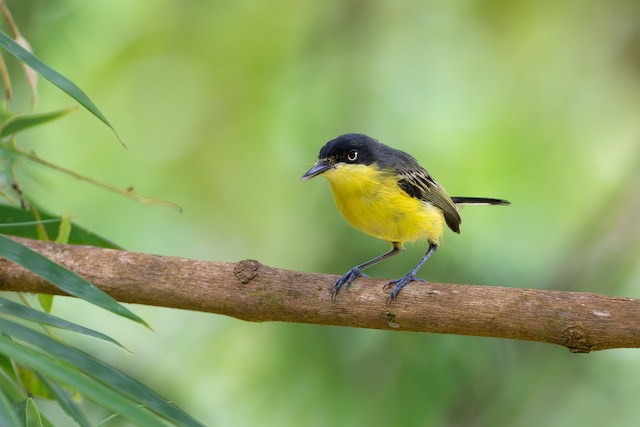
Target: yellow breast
{"points": [[372, 201]]}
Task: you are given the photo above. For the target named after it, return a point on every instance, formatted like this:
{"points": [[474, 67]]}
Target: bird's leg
{"points": [[410, 277], [356, 271]]}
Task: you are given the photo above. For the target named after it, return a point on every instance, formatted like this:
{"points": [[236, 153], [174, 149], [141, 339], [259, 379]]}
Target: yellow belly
{"points": [[372, 202]]}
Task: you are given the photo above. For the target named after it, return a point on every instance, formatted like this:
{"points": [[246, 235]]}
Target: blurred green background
{"points": [[223, 106]]}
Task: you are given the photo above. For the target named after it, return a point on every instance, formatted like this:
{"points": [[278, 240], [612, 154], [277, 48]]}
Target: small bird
{"points": [[385, 193]]}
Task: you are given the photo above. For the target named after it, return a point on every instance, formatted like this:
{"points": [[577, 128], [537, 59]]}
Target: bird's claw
{"points": [[398, 284], [345, 280]]}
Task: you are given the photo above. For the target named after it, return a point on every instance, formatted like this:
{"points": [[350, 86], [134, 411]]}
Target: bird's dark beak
{"points": [[321, 166]]}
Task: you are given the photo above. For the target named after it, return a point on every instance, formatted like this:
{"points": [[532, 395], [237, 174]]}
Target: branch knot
{"points": [[246, 270], [576, 340]]}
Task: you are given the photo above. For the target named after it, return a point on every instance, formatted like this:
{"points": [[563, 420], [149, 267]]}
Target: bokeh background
{"points": [[223, 105]]}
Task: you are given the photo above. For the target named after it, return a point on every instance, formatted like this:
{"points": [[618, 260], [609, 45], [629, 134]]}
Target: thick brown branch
{"points": [[250, 291]]}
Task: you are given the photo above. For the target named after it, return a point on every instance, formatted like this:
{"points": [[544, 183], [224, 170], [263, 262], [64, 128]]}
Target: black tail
{"points": [[478, 201]]}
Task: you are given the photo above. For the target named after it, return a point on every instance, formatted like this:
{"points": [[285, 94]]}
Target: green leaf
{"points": [[53, 76], [64, 231], [6, 116], [66, 403], [31, 383], [21, 122], [28, 413], [12, 390], [61, 372], [28, 313], [62, 278], [46, 302], [6, 367], [100, 371], [18, 222], [8, 417]]}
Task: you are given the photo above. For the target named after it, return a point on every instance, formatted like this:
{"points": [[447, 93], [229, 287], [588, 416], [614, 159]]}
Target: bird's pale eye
{"points": [[352, 155]]}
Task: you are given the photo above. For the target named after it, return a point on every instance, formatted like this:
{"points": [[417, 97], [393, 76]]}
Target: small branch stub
{"points": [[576, 340], [246, 270]]}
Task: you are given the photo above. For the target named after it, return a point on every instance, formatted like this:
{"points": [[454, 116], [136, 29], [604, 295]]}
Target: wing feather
{"points": [[417, 182]]}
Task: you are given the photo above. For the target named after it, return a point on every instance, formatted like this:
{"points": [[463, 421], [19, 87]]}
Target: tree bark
{"points": [[248, 290]]}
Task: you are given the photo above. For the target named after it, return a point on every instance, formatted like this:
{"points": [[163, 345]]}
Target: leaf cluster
{"points": [[35, 364]]}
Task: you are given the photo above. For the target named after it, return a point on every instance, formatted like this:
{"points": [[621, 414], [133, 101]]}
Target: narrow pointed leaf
{"points": [[30, 381], [9, 387], [64, 231], [6, 116], [46, 302], [66, 403], [7, 368], [53, 76], [22, 122], [100, 371], [91, 389], [28, 413], [28, 313], [18, 222], [8, 417], [62, 278]]}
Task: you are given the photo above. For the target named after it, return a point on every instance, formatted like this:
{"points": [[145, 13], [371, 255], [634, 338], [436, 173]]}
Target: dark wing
{"points": [[417, 182]]}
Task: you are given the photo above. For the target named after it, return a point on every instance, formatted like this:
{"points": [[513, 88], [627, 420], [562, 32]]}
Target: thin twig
{"points": [[128, 192]]}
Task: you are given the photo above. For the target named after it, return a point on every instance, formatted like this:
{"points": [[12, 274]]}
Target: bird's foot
{"points": [[346, 280], [399, 284]]}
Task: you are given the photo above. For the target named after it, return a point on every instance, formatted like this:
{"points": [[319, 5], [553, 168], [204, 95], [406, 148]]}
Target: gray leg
{"points": [[356, 271], [410, 277]]}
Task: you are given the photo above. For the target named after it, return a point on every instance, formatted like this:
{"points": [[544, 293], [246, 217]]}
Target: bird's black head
{"points": [[350, 148]]}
